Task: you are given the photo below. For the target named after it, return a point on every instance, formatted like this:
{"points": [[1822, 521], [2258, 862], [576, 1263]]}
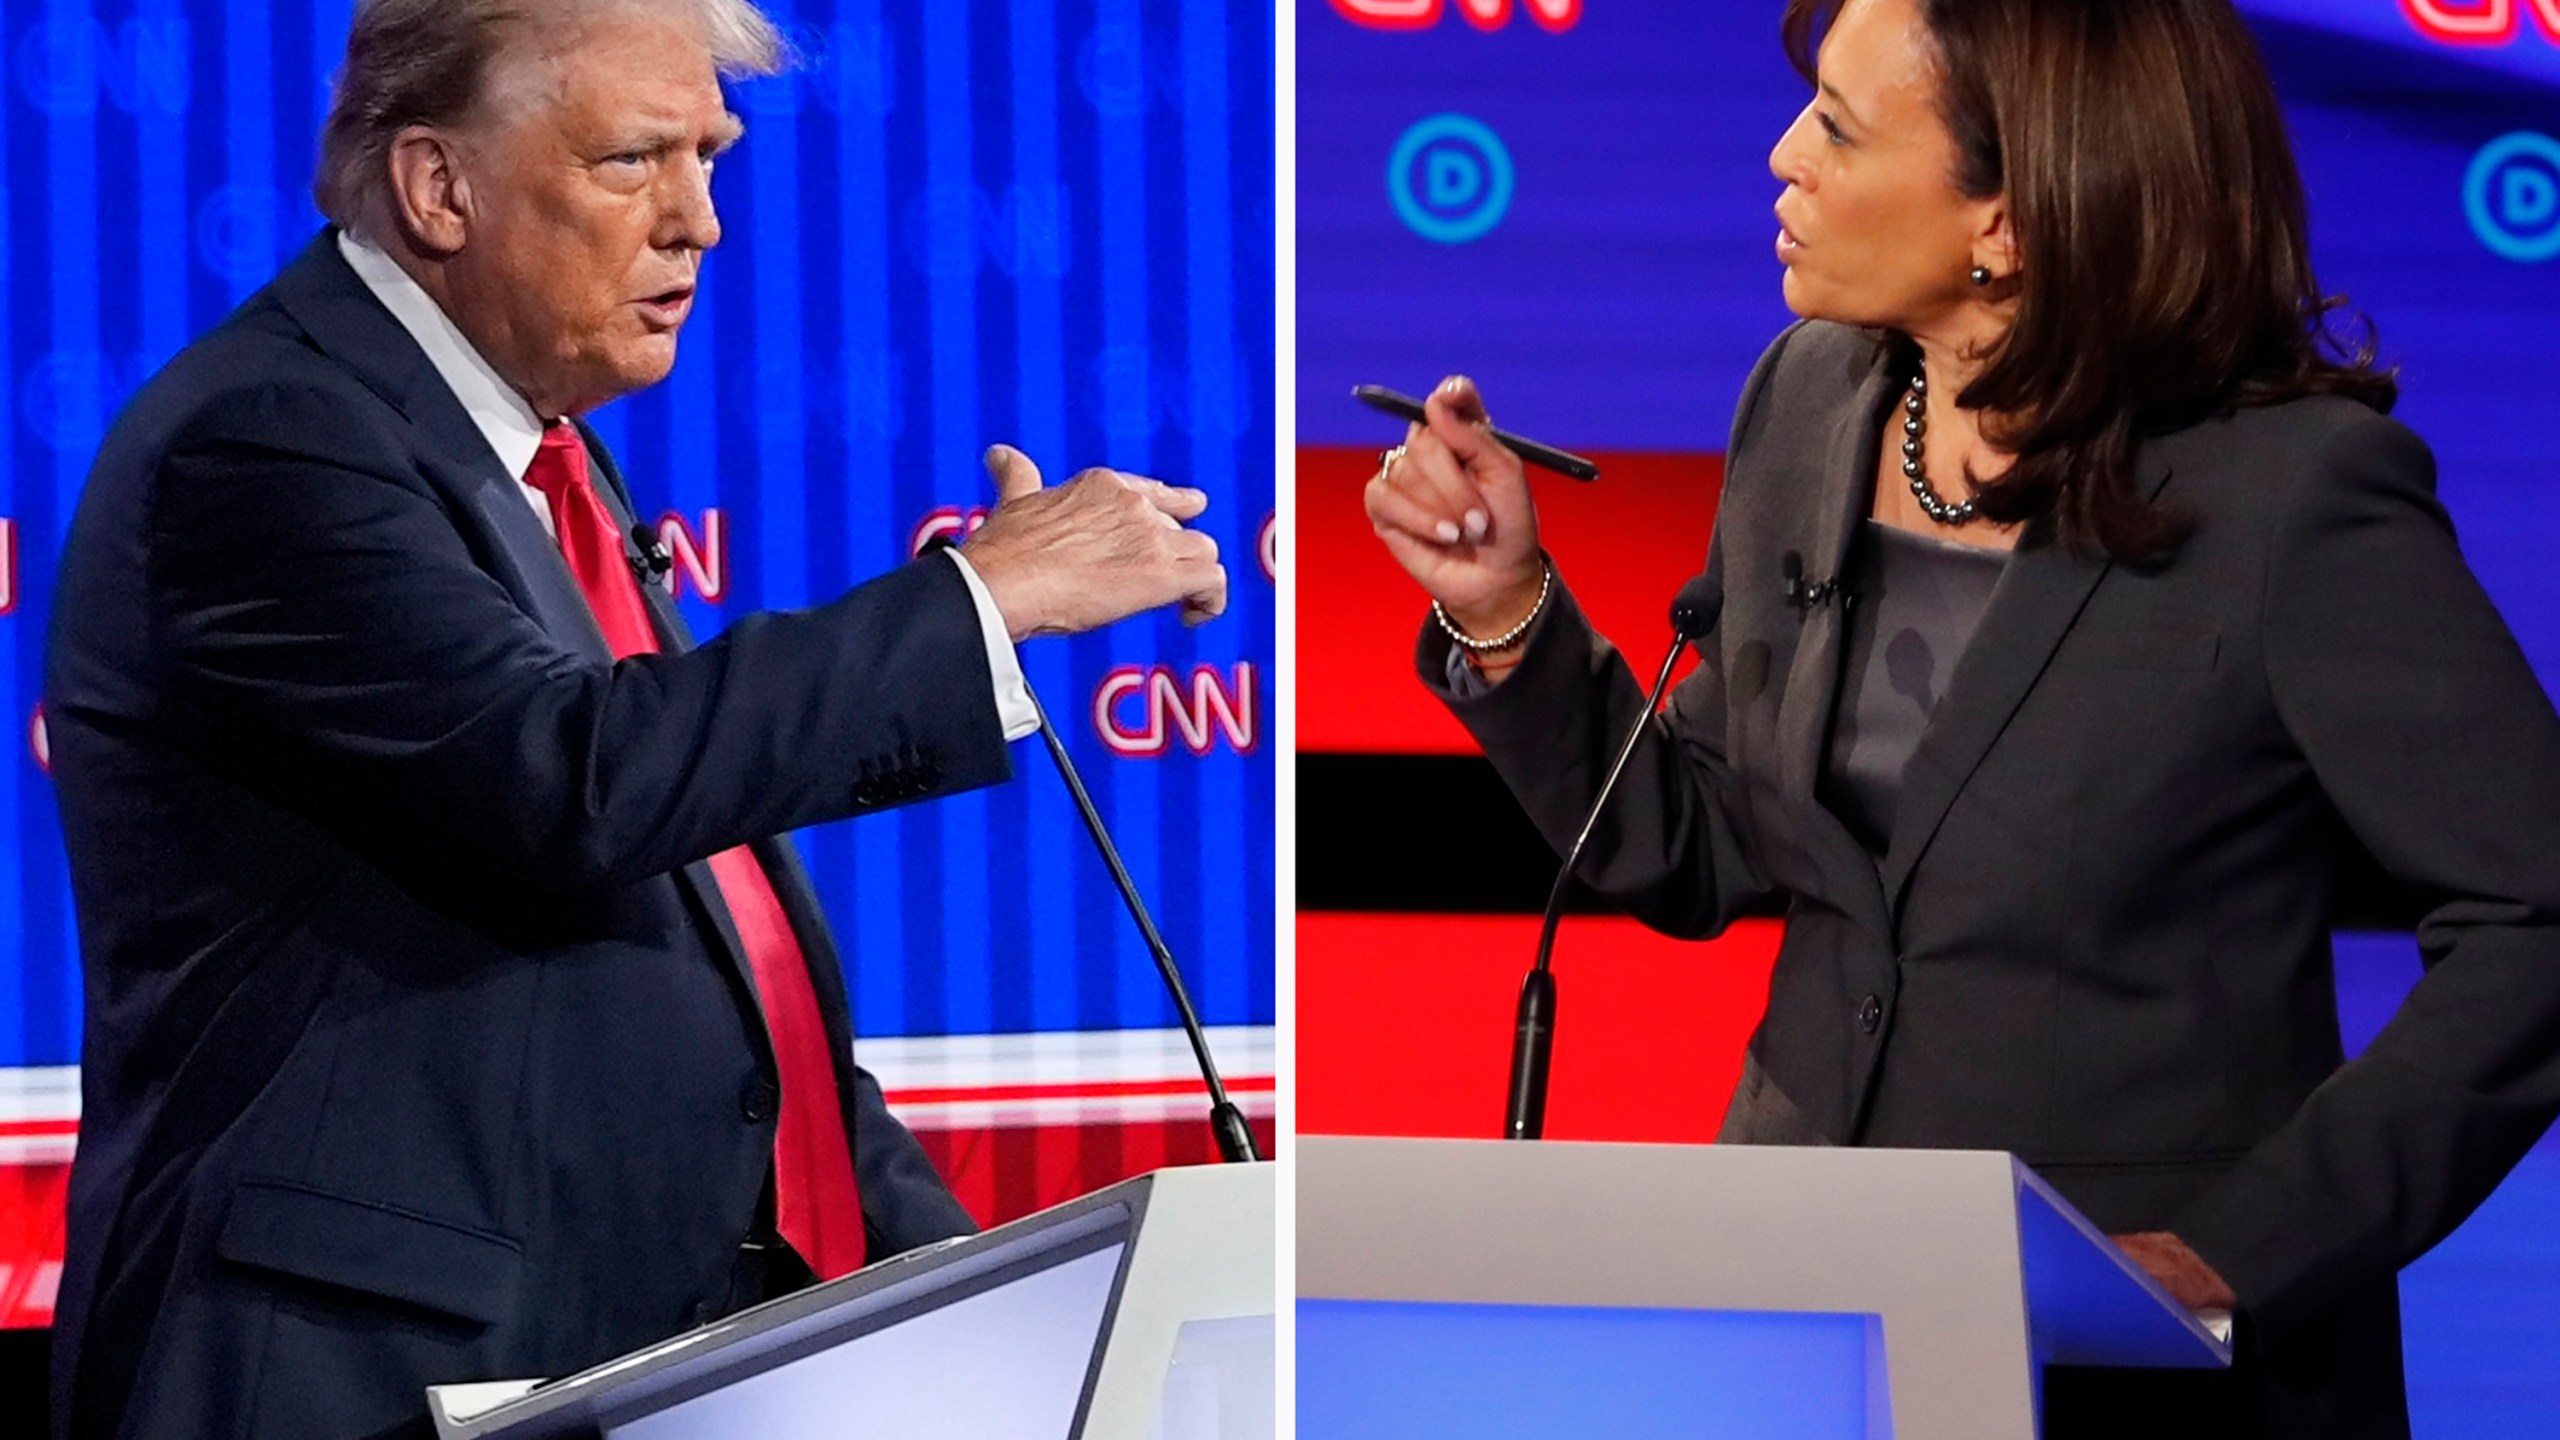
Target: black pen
{"points": [[1405, 407]]}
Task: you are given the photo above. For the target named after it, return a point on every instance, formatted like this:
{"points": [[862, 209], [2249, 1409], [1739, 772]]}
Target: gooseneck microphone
{"points": [[1693, 614], [1235, 1137]]}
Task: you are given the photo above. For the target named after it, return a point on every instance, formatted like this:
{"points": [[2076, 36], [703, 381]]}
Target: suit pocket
{"points": [[372, 1248], [2085, 649]]}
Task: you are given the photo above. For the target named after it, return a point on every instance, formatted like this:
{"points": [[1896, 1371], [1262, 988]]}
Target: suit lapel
{"points": [[545, 585], [2035, 604], [342, 317], [1845, 482]]}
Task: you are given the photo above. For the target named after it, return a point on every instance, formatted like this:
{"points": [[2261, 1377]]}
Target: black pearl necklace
{"points": [[1915, 454]]}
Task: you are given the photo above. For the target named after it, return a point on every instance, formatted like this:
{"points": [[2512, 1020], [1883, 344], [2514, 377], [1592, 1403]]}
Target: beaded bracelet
{"points": [[1508, 638]]}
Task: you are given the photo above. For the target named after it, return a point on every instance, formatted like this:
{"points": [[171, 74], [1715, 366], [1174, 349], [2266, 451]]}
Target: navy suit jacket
{"points": [[419, 1046]]}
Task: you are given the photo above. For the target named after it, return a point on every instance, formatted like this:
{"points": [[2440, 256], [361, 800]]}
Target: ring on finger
{"points": [[1387, 460]]}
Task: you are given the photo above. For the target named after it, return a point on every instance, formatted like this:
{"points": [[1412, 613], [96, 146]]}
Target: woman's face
{"points": [[1873, 229]]}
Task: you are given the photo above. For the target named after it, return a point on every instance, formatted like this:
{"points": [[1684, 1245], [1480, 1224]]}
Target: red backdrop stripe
{"points": [[1405, 1024], [1625, 543]]}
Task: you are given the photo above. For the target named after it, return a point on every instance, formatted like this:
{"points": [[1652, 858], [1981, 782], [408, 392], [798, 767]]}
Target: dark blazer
{"points": [[2100, 936], [420, 1047]]}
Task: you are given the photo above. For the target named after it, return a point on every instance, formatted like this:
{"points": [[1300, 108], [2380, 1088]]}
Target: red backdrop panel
{"points": [[1002, 1173], [31, 1241], [1625, 542], [1404, 1024]]}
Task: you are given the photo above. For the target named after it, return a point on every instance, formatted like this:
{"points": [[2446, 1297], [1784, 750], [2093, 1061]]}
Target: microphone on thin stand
{"points": [[1235, 1138], [1693, 614]]}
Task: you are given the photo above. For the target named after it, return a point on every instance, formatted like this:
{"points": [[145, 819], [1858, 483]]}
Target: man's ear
{"points": [[430, 197]]}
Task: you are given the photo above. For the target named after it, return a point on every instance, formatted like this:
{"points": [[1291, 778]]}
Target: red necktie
{"points": [[815, 1205]]}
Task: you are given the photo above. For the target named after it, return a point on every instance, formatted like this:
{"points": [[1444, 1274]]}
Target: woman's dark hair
{"points": [[2164, 248]]}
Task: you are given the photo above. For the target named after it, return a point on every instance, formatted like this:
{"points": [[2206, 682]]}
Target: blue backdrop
{"points": [[1571, 201], [957, 222]]}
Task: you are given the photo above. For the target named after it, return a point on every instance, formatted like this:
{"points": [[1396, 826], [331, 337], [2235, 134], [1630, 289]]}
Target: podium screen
{"points": [[1006, 1363], [1410, 1370]]}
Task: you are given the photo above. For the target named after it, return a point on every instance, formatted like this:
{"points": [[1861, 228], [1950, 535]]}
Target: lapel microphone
{"points": [[1803, 594], [651, 560], [1693, 614]]}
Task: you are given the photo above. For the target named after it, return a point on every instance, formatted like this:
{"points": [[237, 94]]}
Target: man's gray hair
{"points": [[427, 62]]}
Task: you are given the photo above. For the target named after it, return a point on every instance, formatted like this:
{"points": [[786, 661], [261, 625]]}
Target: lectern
{"points": [[1505, 1288], [1140, 1312]]}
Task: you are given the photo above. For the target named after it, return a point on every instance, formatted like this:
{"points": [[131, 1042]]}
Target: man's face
{"points": [[589, 202]]}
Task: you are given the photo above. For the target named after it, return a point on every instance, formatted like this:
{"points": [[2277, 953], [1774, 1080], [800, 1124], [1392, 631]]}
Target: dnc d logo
{"points": [[1450, 179]]}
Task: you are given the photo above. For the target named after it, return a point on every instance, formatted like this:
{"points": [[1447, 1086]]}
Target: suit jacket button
{"points": [[1870, 1014], [758, 1099]]}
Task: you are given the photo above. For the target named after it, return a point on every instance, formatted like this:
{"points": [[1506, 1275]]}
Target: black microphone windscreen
{"points": [[1695, 608]]}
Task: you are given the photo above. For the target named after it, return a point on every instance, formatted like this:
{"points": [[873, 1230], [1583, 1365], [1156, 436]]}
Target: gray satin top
{"points": [[1918, 600]]}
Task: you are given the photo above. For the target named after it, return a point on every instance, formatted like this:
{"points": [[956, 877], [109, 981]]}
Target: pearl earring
{"points": [[1981, 275]]}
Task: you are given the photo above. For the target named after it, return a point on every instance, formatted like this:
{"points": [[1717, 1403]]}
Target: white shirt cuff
{"points": [[1014, 709]]}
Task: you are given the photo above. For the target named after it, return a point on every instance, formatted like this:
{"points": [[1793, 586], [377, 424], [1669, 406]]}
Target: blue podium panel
{"points": [[1403, 1370]]}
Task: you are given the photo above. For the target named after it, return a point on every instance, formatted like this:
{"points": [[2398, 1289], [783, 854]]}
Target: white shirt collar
{"points": [[513, 431]]}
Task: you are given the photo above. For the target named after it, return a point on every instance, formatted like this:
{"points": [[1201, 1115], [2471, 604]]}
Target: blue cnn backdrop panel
{"points": [[1570, 200], [950, 224]]}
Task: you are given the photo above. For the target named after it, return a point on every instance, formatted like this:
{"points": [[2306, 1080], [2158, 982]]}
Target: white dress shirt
{"points": [[514, 433]]}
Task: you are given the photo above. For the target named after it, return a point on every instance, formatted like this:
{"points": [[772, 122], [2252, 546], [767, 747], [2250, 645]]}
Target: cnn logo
{"points": [[1142, 711], [954, 523], [2475, 22], [1482, 14], [699, 558]]}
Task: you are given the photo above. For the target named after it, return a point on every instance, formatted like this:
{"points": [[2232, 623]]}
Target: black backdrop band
{"points": [[1440, 834]]}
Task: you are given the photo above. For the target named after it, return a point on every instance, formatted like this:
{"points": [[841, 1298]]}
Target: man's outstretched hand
{"points": [[1099, 548]]}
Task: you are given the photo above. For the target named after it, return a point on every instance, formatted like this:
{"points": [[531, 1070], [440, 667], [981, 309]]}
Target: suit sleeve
{"points": [[2441, 752], [1672, 847], [319, 609]]}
